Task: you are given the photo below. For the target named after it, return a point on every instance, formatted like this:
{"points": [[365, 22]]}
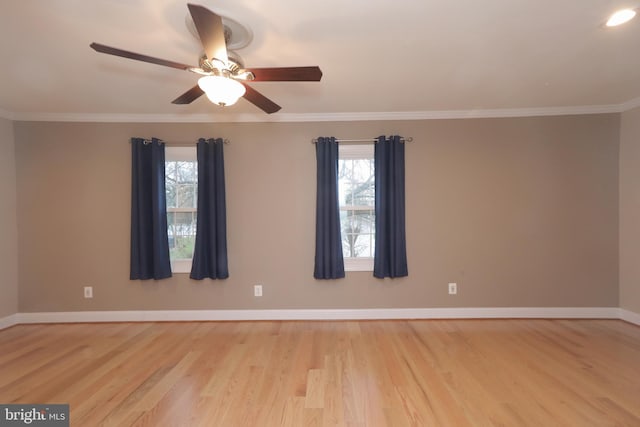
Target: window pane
{"points": [[362, 170], [183, 247], [358, 228], [181, 177], [356, 188], [182, 234], [356, 182], [186, 196], [186, 172], [171, 195]]}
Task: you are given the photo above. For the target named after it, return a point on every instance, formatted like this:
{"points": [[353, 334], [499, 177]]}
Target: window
{"points": [[356, 192], [181, 180]]}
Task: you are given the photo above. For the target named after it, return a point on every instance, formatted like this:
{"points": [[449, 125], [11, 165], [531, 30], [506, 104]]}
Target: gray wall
{"points": [[518, 211], [630, 211], [8, 223]]}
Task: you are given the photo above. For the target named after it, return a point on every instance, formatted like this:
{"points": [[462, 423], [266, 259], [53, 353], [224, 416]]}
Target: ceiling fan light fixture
{"points": [[620, 17], [221, 90]]}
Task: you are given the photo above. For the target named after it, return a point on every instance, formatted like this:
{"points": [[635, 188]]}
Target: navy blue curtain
{"points": [[210, 252], [329, 263], [390, 259], [149, 240]]}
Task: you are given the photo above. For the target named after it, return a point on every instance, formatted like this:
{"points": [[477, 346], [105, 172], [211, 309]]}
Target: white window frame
{"points": [[356, 151], [186, 154]]}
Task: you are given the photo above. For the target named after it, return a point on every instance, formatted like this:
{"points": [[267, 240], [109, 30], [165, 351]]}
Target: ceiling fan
{"points": [[223, 74]]}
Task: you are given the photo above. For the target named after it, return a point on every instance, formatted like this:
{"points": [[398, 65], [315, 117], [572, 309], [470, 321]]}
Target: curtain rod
{"points": [[408, 139], [178, 143]]}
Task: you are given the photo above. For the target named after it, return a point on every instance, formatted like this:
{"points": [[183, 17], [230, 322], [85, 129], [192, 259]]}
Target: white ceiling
{"points": [[380, 58]]}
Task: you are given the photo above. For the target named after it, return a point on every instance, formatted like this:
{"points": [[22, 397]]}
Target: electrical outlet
{"points": [[88, 291], [453, 288], [257, 291]]}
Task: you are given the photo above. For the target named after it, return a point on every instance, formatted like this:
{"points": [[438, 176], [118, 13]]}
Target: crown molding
{"points": [[322, 117]]}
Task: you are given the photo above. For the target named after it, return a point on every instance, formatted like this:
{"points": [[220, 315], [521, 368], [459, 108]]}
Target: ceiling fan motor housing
{"points": [[234, 63]]}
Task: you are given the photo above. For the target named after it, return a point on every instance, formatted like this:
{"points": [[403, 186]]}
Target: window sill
{"points": [[358, 264], [181, 266]]}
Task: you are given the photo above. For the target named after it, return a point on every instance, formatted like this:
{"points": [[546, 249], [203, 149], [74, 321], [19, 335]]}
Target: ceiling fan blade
{"points": [[286, 74], [189, 96], [260, 101], [211, 32], [138, 57]]}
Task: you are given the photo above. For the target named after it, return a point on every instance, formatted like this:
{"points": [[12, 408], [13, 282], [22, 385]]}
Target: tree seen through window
{"points": [[181, 180], [356, 188]]}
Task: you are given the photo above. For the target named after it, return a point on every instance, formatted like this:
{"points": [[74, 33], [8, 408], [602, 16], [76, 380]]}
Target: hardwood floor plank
{"points": [[503, 372], [333, 405], [314, 394]]}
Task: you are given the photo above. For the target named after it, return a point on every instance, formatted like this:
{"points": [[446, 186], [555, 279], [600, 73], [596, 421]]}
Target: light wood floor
{"points": [[375, 373]]}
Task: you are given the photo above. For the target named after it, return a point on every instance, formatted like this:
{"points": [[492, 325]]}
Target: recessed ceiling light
{"points": [[620, 17]]}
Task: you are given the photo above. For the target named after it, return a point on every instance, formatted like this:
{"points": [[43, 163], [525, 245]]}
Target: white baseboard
{"points": [[630, 316], [8, 321], [319, 314]]}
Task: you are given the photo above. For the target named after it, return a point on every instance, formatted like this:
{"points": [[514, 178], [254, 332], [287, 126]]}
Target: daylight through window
{"points": [[356, 187], [181, 180]]}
